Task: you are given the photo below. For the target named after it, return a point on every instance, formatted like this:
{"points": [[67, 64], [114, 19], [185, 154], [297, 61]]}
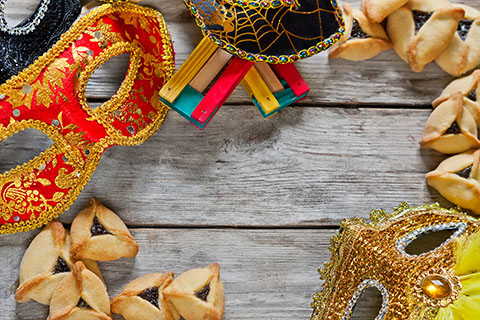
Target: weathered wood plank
{"points": [[304, 167], [268, 274], [385, 79]]}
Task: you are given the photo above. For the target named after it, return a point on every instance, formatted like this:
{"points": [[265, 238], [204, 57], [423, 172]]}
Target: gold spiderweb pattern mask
{"points": [[269, 31]]}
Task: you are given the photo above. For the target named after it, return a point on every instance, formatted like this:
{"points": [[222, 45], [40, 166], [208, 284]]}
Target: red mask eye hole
{"points": [[21, 148], [107, 79]]}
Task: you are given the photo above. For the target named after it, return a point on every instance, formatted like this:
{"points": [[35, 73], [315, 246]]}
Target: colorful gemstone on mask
{"points": [[437, 287], [27, 88]]}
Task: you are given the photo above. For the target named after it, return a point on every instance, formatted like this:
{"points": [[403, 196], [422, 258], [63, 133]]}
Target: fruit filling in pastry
{"points": [[61, 266], [97, 228], [151, 295], [142, 299], [46, 263], [83, 304], [463, 28], [420, 19], [472, 95], [454, 129], [99, 234], [465, 173], [203, 294], [357, 31], [362, 39]]}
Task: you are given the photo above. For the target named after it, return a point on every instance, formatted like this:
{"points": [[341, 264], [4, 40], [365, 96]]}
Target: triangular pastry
{"points": [[46, 262], [469, 86], [142, 299], [80, 295], [99, 234], [197, 294], [421, 30], [377, 10], [452, 127], [362, 39], [458, 180], [463, 52]]}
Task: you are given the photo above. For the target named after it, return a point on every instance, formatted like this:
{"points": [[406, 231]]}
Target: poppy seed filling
{"points": [[454, 129], [463, 28], [420, 19], [83, 304], [61, 266], [203, 294], [472, 95], [357, 32], [97, 228], [465, 173], [151, 295]]}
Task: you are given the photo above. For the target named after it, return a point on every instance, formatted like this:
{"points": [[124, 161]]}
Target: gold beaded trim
{"points": [[101, 113], [91, 163]]}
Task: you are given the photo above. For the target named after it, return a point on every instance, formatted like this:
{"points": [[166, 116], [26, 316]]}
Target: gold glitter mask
{"points": [[441, 284]]}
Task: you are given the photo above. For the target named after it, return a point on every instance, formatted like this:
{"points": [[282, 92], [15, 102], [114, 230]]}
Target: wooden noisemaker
{"points": [[204, 82], [274, 87], [209, 76]]}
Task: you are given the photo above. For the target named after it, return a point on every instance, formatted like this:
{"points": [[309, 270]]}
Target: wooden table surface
{"points": [[261, 197]]}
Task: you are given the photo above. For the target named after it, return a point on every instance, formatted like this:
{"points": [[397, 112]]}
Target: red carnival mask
{"points": [[50, 96]]}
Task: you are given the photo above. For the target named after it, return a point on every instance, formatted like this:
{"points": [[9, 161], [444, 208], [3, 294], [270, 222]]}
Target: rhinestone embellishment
{"points": [[25, 29], [402, 243], [27, 89], [437, 287], [131, 130]]}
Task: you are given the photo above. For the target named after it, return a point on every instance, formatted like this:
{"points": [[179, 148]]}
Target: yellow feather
{"points": [[467, 306], [468, 255]]}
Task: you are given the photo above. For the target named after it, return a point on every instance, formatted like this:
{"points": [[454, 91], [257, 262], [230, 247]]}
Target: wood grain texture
{"points": [[302, 171], [268, 274], [304, 167]]}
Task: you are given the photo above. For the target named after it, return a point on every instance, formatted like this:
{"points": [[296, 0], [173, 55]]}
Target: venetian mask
{"points": [[49, 96], [440, 284], [21, 45]]}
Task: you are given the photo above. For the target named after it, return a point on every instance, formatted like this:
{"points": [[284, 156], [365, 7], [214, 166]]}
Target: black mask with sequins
{"points": [[20, 46]]}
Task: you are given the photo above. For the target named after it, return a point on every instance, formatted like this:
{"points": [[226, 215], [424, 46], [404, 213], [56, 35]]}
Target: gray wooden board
{"points": [[268, 274], [304, 167], [308, 167]]}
